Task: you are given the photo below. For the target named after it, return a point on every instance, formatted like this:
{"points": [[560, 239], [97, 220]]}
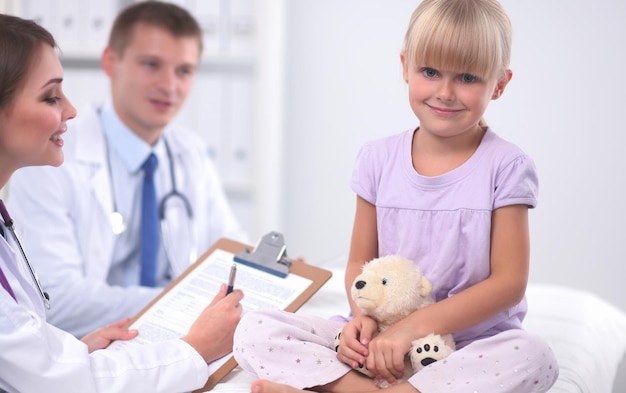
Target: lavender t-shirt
{"points": [[443, 223]]}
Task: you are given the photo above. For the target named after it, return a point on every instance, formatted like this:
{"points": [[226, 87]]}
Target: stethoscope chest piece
{"points": [[117, 223]]}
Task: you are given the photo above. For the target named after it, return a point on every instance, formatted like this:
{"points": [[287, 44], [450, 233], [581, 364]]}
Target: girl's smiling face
{"points": [[31, 127], [449, 103]]}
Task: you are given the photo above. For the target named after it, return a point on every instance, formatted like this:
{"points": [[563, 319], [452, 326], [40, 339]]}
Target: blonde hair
{"points": [[472, 36]]}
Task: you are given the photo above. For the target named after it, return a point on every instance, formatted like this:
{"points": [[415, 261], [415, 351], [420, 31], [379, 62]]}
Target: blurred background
{"points": [[288, 91]]}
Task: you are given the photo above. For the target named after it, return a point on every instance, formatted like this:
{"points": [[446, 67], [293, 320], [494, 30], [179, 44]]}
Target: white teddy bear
{"points": [[388, 289]]}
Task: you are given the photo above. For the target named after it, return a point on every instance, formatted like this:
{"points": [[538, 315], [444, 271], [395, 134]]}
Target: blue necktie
{"points": [[149, 224]]}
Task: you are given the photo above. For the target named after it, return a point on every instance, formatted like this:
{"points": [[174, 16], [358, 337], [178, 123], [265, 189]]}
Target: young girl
{"points": [[35, 356], [453, 197]]}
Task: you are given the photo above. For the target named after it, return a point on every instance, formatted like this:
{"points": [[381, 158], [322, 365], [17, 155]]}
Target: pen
{"points": [[231, 278]]}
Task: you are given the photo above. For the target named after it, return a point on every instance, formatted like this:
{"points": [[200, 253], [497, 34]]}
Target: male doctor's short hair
{"points": [[170, 17]]}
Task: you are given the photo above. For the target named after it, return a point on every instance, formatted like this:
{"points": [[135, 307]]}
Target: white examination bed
{"points": [[587, 334]]}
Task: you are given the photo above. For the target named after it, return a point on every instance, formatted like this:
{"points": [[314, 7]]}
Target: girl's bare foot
{"points": [[265, 386]]}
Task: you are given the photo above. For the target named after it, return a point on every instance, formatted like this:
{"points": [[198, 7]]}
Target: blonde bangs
{"points": [[458, 38]]}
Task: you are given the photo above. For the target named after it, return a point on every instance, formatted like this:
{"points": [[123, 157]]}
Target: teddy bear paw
{"points": [[336, 340], [428, 350]]}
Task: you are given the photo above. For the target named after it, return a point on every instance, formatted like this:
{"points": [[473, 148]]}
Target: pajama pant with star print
{"points": [[298, 350]]}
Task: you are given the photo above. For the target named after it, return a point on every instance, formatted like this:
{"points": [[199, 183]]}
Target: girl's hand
{"points": [[355, 338], [387, 352], [102, 337]]}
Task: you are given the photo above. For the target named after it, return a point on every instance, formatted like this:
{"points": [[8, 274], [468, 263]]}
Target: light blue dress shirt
{"points": [[126, 153]]}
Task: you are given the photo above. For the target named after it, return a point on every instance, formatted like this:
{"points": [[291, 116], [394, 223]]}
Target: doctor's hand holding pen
{"points": [[212, 333]]}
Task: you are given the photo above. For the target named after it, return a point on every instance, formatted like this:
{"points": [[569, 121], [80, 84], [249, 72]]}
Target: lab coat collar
{"points": [[89, 137], [90, 153], [132, 150]]}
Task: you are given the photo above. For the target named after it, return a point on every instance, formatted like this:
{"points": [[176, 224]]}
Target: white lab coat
{"points": [[63, 215], [37, 357]]}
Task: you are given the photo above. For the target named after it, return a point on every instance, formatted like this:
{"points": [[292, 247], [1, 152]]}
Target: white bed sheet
{"points": [[587, 335]]}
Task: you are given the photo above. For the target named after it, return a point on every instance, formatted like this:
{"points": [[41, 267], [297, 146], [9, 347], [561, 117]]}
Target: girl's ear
{"points": [[405, 73], [501, 85]]}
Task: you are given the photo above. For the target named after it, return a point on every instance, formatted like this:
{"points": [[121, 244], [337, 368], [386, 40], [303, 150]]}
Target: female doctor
{"points": [[72, 216], [34, 355]]}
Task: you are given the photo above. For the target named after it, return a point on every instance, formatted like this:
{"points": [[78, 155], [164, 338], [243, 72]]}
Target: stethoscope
{"points": [[8, 223], [118, 222]]}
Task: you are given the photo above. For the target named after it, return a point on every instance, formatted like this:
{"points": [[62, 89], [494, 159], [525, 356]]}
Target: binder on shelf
{"points": [[241, 27], [67, 26], [238, 123], [96, 25], [40, 12], [175, 309], [206, 115], [208, 14]]}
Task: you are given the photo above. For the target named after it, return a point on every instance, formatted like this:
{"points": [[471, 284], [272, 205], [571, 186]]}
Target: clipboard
{"points": [[268, 256]]}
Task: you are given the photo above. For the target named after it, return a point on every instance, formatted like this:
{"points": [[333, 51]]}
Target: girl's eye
{"points": [[429, 72], [52, 100], [468, 78]]}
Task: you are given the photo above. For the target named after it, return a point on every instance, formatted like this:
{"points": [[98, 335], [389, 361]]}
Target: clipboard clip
{"points": [[269, 255]]}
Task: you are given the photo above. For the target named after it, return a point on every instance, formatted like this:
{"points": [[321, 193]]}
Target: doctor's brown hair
{"points": [[20, 42], [170, 17]]}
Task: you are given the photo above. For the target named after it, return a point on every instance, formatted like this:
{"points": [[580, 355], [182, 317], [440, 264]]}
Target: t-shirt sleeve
{"points": [[517, 183], [364, 178]]}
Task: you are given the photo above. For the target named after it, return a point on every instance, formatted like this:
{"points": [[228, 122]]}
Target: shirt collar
{"points": [[131, 149]]}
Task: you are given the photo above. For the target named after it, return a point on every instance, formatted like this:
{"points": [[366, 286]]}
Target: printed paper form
{"points": [[175, 312]]}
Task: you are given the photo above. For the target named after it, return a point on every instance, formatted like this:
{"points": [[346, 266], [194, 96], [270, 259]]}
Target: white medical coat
{"points": [[63, 217], [37, 357]]}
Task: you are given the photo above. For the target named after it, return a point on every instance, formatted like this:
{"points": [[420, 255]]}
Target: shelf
{"points": [[241, 189], [209, 63]]}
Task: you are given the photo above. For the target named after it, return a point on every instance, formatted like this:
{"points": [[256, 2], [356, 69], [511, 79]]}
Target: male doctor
{"points": [[81, 225]]}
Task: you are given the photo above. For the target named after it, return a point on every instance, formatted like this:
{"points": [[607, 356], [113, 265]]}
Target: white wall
{"points": [[565, 106]]}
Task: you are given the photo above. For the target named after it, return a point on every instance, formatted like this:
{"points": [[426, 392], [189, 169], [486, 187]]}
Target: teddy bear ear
{"points": [[426, 287]]}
